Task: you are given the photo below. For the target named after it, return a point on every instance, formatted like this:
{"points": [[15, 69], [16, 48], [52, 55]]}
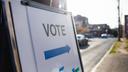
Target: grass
{"points": [[115, 47], [126, 43]]}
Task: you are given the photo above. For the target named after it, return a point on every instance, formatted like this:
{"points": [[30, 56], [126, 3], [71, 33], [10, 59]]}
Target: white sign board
{"points": [[53, 41]]}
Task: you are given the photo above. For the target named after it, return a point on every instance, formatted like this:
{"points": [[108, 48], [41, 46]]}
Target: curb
{"points": [[97, 65]]}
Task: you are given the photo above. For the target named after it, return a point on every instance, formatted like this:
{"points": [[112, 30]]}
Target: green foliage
{"points": [[115, 47], [113, 32]]}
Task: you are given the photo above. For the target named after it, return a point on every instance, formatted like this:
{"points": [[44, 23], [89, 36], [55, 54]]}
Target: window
{"points": [[61, 4], [46, 2]]}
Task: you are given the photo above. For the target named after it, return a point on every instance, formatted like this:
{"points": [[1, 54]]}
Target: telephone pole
{"points": [[119, 33]]}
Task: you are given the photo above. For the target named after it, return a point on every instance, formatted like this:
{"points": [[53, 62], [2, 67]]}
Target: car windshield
{"points": [[80, 37]]}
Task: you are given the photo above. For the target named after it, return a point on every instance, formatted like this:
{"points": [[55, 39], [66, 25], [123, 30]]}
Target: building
{"points": [[81, 23], [81, 20], [91, 30], [126, 26], [98, 29]]}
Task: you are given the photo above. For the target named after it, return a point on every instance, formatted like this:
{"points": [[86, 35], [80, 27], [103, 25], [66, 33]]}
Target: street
{"points": [[96, 50]]}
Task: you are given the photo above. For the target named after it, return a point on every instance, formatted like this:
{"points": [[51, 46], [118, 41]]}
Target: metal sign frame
{"points": [[7, 14]]}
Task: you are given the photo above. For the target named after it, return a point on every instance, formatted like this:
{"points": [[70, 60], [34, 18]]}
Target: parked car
{"points": [[104, 35], [82, 40]]}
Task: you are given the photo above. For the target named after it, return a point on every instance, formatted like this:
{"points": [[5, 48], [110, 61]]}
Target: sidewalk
{"points": [[117, 62]]}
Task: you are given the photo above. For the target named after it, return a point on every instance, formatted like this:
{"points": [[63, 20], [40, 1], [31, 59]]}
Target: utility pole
{"points": [[119, 34]]}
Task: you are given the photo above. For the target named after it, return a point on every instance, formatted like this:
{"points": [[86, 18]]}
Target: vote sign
{"points": [[53, 41]]}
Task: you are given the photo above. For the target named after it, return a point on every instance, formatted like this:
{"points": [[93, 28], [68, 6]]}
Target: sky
{"points": [[98, 11]]}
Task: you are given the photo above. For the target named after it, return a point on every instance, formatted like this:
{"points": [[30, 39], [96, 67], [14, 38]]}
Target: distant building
{"points": [[81, 23], [83, 27], [98, 29], [81, 20]]}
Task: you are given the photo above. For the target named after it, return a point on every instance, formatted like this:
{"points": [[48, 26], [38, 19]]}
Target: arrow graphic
{"points": [[61, 69], [56, 51], [76, 70]]}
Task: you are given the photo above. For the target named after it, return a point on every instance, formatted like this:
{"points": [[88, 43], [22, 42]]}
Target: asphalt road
{"points": [[90, 57]]}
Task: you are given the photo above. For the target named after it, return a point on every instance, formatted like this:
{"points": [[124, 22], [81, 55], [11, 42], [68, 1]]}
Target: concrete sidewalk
{"points": [[117, 62]]}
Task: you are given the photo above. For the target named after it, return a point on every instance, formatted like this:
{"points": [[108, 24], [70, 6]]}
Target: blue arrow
{"points": [[56, 51], [73, 70]]}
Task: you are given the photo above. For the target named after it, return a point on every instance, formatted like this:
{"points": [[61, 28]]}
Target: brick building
{"points": [[98, 29]]}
